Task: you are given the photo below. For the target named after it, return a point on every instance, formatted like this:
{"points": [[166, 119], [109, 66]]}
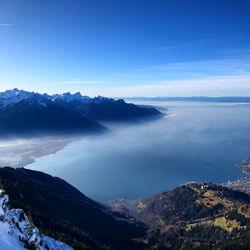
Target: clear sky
{"points": [[126, 47]]}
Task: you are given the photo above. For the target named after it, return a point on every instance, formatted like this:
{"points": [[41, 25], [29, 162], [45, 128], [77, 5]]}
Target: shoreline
{"points": [[19, 153], [242, 184]]}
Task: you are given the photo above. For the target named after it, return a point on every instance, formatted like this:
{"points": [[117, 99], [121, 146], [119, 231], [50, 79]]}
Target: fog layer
{"points": [[19, 152], [193, 142]]}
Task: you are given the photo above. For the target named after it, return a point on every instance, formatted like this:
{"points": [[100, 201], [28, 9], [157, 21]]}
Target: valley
{"points": [[125, 125], [191, 216]]}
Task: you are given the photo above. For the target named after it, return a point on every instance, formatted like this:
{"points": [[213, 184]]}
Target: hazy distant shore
{"points": [[22, 152], [229, 99], [242, 184]]}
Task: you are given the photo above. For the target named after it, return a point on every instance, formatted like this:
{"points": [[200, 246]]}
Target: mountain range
{"points": [[226, 99], [191, 216], [28, 112]]}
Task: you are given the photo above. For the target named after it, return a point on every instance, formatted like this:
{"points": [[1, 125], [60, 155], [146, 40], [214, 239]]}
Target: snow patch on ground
{"points": [[8, 241], [17, 229]]}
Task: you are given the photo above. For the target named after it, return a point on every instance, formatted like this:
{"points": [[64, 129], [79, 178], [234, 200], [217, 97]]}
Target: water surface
{"points": [[193, 142]]}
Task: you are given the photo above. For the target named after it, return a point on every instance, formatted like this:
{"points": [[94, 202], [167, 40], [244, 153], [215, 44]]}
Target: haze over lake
{"points": [[193, 142]]}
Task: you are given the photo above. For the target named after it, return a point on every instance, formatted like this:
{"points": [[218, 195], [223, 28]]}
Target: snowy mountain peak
{"points": [[11, 97], [68, 97], [101, 99], [17, 230], [15, 92]]}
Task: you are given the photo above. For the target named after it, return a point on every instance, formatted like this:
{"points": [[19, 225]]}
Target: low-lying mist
{"points": [[193, 142], [19, 152]]}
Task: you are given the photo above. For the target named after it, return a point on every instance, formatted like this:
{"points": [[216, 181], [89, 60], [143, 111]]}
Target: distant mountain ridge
{"points": [[233, 99], [11, 97], [25, 112]]}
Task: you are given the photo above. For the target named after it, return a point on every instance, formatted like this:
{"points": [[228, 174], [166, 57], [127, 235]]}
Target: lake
{"points": [[193, 142]]}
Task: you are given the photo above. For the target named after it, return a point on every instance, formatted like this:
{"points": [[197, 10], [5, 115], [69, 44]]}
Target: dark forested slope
{"points": [[62, 212], [193, 216], [202, 216]]}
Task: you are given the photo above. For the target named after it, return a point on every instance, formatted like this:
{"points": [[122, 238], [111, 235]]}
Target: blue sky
{"points": [[126, 47]]}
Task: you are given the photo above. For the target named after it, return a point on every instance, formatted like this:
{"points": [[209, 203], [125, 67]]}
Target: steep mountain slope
{"points": [[23, 112], [192, 216], [17, 230], [107, 109], [10, 97], [60, 211], [202, 216], [37, 114], [97, 108]]}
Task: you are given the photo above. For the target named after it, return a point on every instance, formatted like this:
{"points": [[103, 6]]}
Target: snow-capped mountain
{"points": [[17, 230], [24, 112], [68, 97], [11, 97]]}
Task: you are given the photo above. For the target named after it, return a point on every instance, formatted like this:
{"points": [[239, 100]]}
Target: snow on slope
{"points": [[11, 97], [67, 97], [16, 229], [7, 240]]}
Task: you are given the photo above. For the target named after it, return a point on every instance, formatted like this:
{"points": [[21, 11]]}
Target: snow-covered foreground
{"points": [[17, 229]]}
